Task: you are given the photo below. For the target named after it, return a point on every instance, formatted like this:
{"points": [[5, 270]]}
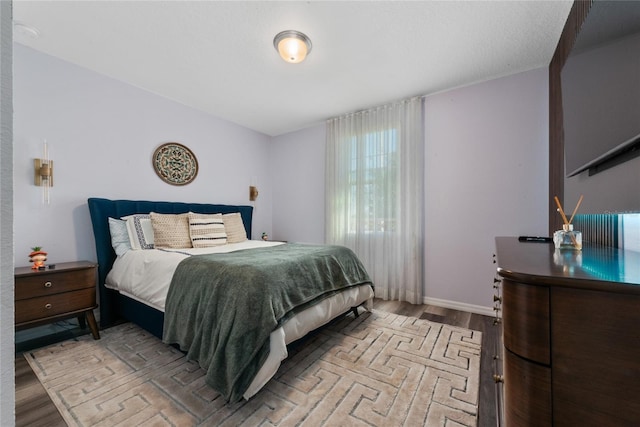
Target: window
{"points": [[372, 182]]}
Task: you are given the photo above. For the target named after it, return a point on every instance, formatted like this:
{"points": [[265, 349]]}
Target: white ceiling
{"points": [[218, 56]]}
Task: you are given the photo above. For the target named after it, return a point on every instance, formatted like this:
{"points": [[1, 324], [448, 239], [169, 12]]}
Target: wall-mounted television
{"points": [[601, 110], [601, 99]]}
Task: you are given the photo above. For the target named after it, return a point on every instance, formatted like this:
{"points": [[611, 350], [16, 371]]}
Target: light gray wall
{"points": [[297, 163], [486, 175], [102, 134], [7, 377], [486, 166]]}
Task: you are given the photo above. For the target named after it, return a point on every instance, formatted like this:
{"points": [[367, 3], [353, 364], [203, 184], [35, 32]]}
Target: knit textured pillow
{"points": [[234, 227], [170, 230], [206, 230]]}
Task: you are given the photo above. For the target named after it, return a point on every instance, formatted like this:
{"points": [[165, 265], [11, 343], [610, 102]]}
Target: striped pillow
{"points": [[206, 230], [234, 228], [170, 230]]}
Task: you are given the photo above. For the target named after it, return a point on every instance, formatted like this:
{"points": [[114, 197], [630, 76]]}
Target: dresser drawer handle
{"points": [[48, 306], [48, 284]]}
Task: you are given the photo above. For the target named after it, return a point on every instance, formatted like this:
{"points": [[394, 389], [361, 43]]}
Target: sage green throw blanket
{"points": [[221, 308]]}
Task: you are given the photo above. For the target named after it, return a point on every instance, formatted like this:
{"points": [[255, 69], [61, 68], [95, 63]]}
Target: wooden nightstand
{"points": [[44, 296]]}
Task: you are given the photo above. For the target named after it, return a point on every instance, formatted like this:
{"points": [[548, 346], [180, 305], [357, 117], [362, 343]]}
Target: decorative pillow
{"points": [[170, 230], [234, 227], [140, 231], [119, 236], [206, 230]]}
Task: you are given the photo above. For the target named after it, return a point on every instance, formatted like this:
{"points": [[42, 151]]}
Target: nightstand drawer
{"points": [[52, 305], [50, 282]]}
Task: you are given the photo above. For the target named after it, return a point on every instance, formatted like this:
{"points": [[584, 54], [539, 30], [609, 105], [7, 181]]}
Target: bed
{"points": [[307, 292]]}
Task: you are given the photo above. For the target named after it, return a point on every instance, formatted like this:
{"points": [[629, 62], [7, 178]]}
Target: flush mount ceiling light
{"points": [[293, 46]]}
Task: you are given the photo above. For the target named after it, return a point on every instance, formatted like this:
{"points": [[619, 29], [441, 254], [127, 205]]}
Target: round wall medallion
{"points": [[175, 164]]}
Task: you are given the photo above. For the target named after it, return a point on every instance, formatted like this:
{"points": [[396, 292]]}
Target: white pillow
{"points": [[140, 231], [206, 230], [119, 236]]}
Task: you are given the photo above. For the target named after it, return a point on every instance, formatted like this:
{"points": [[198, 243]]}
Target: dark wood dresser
{"points": [[45, 296], [571, 334]]}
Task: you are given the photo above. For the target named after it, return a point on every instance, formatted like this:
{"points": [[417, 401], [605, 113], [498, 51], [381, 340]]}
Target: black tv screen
{"points": [[601, 103]]}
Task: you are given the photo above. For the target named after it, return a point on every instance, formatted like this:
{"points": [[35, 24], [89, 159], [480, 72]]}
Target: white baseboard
{"points": [[478, 309]]}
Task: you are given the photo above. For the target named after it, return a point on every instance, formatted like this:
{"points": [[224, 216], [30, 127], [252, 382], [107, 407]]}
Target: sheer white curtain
{"points": [[375, 196]]}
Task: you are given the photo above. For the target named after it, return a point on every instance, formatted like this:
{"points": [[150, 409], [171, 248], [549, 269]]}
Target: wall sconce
{"points": [[43, 174], [293, 46], [253, 193]]}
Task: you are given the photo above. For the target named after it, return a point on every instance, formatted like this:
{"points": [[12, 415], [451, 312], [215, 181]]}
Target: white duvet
{"points": [[145, 275]]}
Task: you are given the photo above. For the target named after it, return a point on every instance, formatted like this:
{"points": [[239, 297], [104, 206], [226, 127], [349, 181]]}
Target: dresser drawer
{"points": [[527, 392], [52, 305], [525, 315], [47, 283]]}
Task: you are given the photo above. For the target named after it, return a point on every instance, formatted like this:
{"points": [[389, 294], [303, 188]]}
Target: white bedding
{"points": [[145, 275]]}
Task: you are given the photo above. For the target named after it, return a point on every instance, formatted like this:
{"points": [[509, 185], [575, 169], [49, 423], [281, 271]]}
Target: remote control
{"points": [[534, 239]]}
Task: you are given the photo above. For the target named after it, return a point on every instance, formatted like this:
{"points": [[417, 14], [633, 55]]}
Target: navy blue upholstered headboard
{"points": [[100, 211]]}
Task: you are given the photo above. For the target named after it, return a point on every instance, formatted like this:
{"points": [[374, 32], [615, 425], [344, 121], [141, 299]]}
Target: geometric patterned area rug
{"points": [[379, 369]]}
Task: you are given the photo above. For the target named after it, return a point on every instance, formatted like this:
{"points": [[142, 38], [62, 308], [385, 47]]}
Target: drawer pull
{"points": [[498, 378], [48, 284], [48, 306]]}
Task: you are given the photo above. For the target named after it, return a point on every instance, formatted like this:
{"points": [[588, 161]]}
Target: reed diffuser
{"points": [[567, 238]]}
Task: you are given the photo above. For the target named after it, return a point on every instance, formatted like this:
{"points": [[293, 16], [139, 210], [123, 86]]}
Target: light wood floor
{"points": [[34, 408]]}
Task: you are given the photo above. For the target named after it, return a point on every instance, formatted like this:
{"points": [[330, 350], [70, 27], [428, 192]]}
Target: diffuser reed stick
{"points": [[564, 217], [576, 209]]}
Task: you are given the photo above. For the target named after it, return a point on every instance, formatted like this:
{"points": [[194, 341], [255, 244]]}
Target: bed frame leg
{"points": [[354, 310]]}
